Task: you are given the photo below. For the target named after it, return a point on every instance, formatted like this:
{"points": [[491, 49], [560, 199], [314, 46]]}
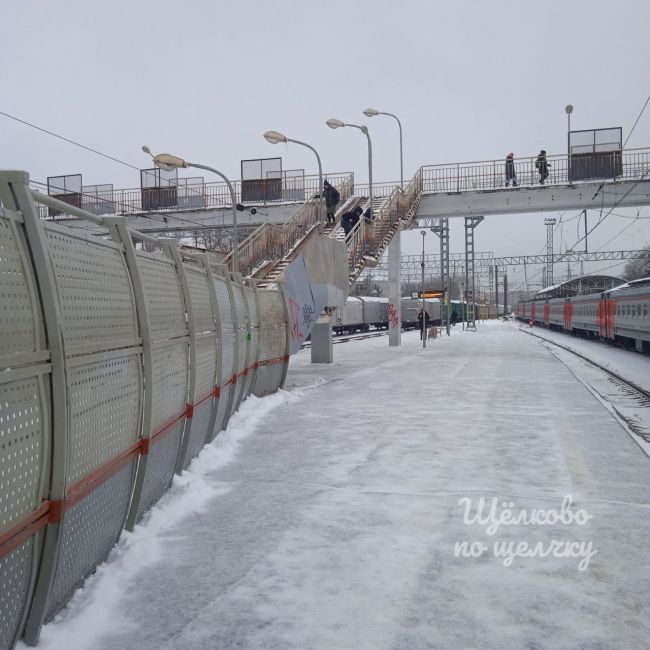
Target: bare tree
{"points": [[639, 267]]}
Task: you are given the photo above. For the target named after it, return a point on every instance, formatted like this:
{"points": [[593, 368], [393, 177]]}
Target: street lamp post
{"points": [[336, 124], [274, 137], [394, 248], [168, 162], [569, 110], [371, 112], [424, 312]]}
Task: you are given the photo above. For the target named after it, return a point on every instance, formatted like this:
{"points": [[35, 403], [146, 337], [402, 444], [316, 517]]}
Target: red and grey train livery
{"points": [[620, 315]]}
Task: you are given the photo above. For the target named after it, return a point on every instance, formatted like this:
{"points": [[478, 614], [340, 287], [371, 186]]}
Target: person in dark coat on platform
{"points": [[427, 322], [511, 174], [542, 166], [332, 198]]}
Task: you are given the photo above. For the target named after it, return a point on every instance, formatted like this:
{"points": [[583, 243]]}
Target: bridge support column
{"points": [[442, 230], [322, 348], [394, 291], [470, 278]]}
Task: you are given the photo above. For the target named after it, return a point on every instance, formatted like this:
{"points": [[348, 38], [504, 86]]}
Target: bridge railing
{"points": [[273, 242], [630, 164], [200, 196]]}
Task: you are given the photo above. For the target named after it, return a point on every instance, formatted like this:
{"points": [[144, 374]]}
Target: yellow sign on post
{"points": [[432, 294]]}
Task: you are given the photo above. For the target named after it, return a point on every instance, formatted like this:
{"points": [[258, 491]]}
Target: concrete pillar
{"points": [[394, 291], [322, 348]]}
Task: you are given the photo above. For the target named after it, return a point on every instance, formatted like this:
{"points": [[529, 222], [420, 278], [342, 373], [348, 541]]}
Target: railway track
{"points": [[629, 402], [351, 337]]}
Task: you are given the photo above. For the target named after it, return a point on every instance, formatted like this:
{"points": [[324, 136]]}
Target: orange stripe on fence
{"points": [[24, 529], [81, 489]]}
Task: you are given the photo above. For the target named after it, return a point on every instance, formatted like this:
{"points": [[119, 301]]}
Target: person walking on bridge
{"points": [[542, 166], [332, 198], [511, 174]]}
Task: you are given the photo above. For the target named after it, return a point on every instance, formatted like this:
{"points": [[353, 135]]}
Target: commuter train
{"points": [[620, 315], [359, 314]]}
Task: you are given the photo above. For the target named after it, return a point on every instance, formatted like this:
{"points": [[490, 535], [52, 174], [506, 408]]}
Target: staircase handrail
{"points": [[280, 242]]}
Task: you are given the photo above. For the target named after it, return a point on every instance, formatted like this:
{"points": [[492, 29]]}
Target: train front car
{"points": [[625, 318]]}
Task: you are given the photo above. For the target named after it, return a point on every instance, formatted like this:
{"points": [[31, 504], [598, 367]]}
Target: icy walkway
{"points": [[335, 524]]}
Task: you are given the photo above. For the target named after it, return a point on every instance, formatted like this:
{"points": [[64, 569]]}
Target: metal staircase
{"points": [[368, 240], [269, 250]]}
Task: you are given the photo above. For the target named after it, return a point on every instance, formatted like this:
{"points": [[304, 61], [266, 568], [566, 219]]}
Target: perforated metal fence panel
{"points": [[253, 328], [273, 342], [170, 366], [104, 388], [163, 296], [242, 339], [89, 530], [204, 320], [227, 349], [95, 293], [25, 428]]}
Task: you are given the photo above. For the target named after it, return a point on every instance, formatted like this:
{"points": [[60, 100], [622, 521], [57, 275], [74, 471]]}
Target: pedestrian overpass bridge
{"points": [[448, 190]]}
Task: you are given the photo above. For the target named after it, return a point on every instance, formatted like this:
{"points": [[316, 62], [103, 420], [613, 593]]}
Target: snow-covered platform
{"points": [[338, 515]]}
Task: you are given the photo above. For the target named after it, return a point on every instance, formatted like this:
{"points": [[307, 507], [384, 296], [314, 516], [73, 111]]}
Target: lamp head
{"points": [[370, 112], [333, 123], [168, 162], [569, 109], [274, 137], [147, 150]]}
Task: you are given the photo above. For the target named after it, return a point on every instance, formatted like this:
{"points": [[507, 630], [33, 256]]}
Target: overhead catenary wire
{"points": [[95, 151], [636, 121]]}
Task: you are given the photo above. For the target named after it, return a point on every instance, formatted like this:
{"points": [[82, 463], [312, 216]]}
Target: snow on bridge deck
{"points": [[334, 525]]}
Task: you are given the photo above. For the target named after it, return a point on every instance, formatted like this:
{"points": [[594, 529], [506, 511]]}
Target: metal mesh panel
{"points": [[273, 326], [21, 447], [160, 466], [163, 296], [267, 379], [227, 355], [249, 294], [169, 381], [254, 343], [15, 575], [222, 408], [241, 356], [95, 294], [201, 303], [89, 529], [17, 317], [273, 343], [239, 306], [104, 399], [272, 307], [191, 192], [206, 365], [98, 199], [223, 302], [199, 430]]}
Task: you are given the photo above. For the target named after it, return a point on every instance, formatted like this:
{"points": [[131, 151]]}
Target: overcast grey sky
{"points": [[204, 79]]}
